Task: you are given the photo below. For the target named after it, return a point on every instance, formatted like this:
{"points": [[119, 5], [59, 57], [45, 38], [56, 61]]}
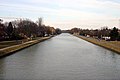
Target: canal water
{"points": [[64, 57]]}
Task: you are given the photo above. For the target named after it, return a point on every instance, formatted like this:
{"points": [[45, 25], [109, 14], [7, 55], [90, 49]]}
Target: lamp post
{"points": [[119, 23]]}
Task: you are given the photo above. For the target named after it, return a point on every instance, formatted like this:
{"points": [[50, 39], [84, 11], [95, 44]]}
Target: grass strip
{"points": [[111, 45]]}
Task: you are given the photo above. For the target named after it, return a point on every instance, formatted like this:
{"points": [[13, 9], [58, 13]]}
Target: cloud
{"points": [[64, 13]]}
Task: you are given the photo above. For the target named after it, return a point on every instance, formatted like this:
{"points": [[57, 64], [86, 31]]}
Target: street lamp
{"points": [[119, 23]]}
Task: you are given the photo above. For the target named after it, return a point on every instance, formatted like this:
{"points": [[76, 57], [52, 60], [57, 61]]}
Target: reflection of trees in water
{"points": [[115, 62], [108, 56], [2, 68]]}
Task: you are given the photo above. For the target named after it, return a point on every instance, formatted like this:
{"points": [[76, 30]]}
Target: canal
{"points": [[64, 57]]}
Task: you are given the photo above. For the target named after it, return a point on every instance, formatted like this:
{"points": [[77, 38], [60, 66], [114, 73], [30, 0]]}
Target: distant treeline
{"points": [[103, 33], [25, 29]]}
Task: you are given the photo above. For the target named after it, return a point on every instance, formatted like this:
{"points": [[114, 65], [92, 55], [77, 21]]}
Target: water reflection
{"points": [[63, 57]]}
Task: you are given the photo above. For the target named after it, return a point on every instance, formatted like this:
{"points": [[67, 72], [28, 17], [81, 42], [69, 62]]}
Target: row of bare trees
{"points": [[104, 32], [23, 29]]}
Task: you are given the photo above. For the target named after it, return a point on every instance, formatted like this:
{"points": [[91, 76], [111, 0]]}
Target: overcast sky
{"points": [[65, 14]]}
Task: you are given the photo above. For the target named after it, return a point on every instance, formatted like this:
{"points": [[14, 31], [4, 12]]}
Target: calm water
{"points": [[63, 57]]}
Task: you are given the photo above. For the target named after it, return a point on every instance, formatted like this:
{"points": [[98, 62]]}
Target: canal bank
{"points": [[11, 49], [113, 46]]}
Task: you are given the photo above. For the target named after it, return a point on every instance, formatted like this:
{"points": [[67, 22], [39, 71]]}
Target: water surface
{"points": [[63, 57]]}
